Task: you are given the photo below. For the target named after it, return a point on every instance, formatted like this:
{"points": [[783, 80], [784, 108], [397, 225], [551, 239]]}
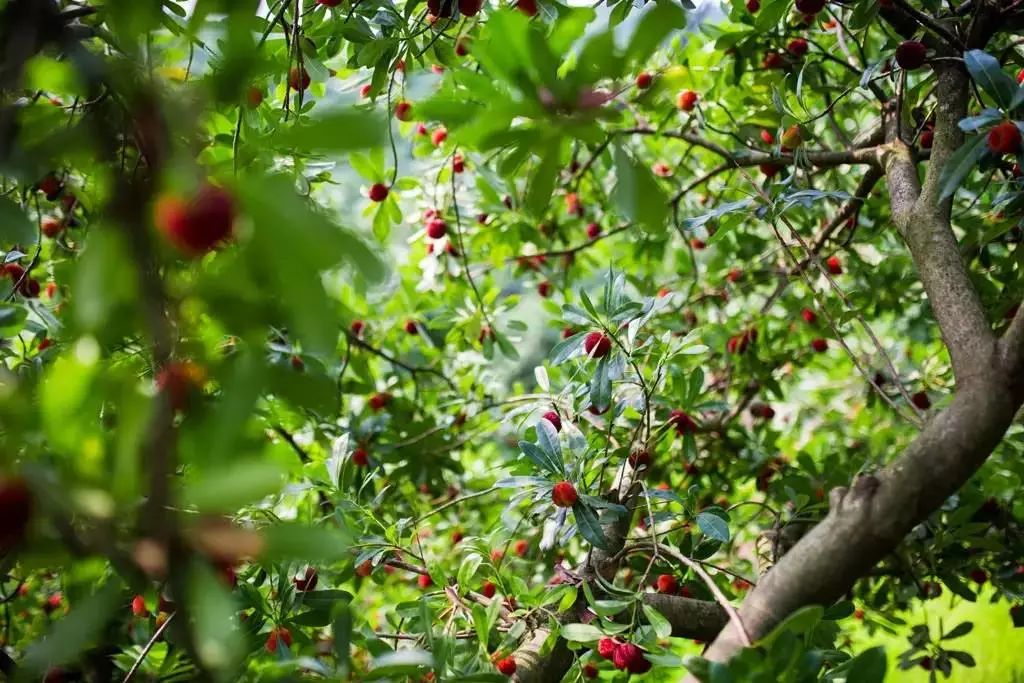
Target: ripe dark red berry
{"points": [[527, 7], [682, 422], [911, 54], [687, 100], [198, 225], [50, 186], [458, 164], [1005, 138], [15, 512], [810, 6], [403, 111], [753, 6], [544, 288], [507, 665], [606, 647], [797, 47], [666, 583], [424, 581], [596, 344], [629, 657], [834, 265], [769, 169], [590, 671], [379, 400], [926, 663], [278, 635], [639, 459], [644, 80], [298, 79], [411, 327], [926, 138], [360, 458], [378, 192], [767, 137], [552, 417], [357, 327], [488, 589], [51, 227], [470, 8], [809, 316], [819, 345], [593, 230], [772, 60], [979, 576], [921, 400], [139, 606], [436, 228], [306, 581], [564, 494], [439, 136]]}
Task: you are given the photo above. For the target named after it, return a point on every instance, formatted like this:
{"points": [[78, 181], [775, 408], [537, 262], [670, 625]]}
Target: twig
{"points": [[149, 646]]}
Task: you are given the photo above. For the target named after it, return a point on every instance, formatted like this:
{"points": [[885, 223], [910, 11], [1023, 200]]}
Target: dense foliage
{"points": [[357, 340]]}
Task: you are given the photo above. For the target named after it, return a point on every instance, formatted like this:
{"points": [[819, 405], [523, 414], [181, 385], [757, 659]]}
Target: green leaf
{"points": [[547, 439], [338, 130], [713, 526], [964, 658], [867, 667], [770, 13], [71, 635], [589, 525], [567, 348], [542, 184], [12, 317], [341, 626], [799, 622], [289, 541], [986, 72], [601, 385], [581, 633], [652, 29], [220, 642], [225, 489], [960, 165], [961, 629], [662, 627], [539, 457], [15, 226], [637, 194], [399, 664], [467, 569], [863, 14]]}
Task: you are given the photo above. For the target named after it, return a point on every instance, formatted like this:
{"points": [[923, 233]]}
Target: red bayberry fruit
{"points": [[809, 316], [697, 243], [606, 647], [589, 670], [45, 343], [329, 3], [820, 345], [357, 327], [52, 226], [910, 54], [921, 400], [139, 606], [772, 60], [298, 363], [488, 589], [734, 275], [753, 6], [567, 332], [769, 169], [360, 458], [378, 192], [544, 288], [458, 164], [53, 602], [50, 186], [666, 583], [593, 230], [810, 6], [180, 380], [507, 665], [470, 8], [520, 548], [364, 569], [436, 228], [365, 90], [686, 100], [424, 581], [638, 459], [927, 137], [403, 111], [1004, 138], [278, 635], [596, 344], [411, 327], [834, 265], [797, 47], [298, 79], [439, 136], [552, 417], [661, 169], [564, 494], [644, 80], [253, 96], [762, 410], [527, 7], [767, 137], [683, 423], [979, 576], [197, 226], [379, 400], [629, 657], [306, 581]]}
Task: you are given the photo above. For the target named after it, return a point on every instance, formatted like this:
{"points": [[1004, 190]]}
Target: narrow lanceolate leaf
{"points": [[959, 166], [990, 77], [601, 385], [589, 526], [539, 458], [867, 667], [547, 439]]}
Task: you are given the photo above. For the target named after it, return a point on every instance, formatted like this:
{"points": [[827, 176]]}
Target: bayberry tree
{"points": [[360, 340]]}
